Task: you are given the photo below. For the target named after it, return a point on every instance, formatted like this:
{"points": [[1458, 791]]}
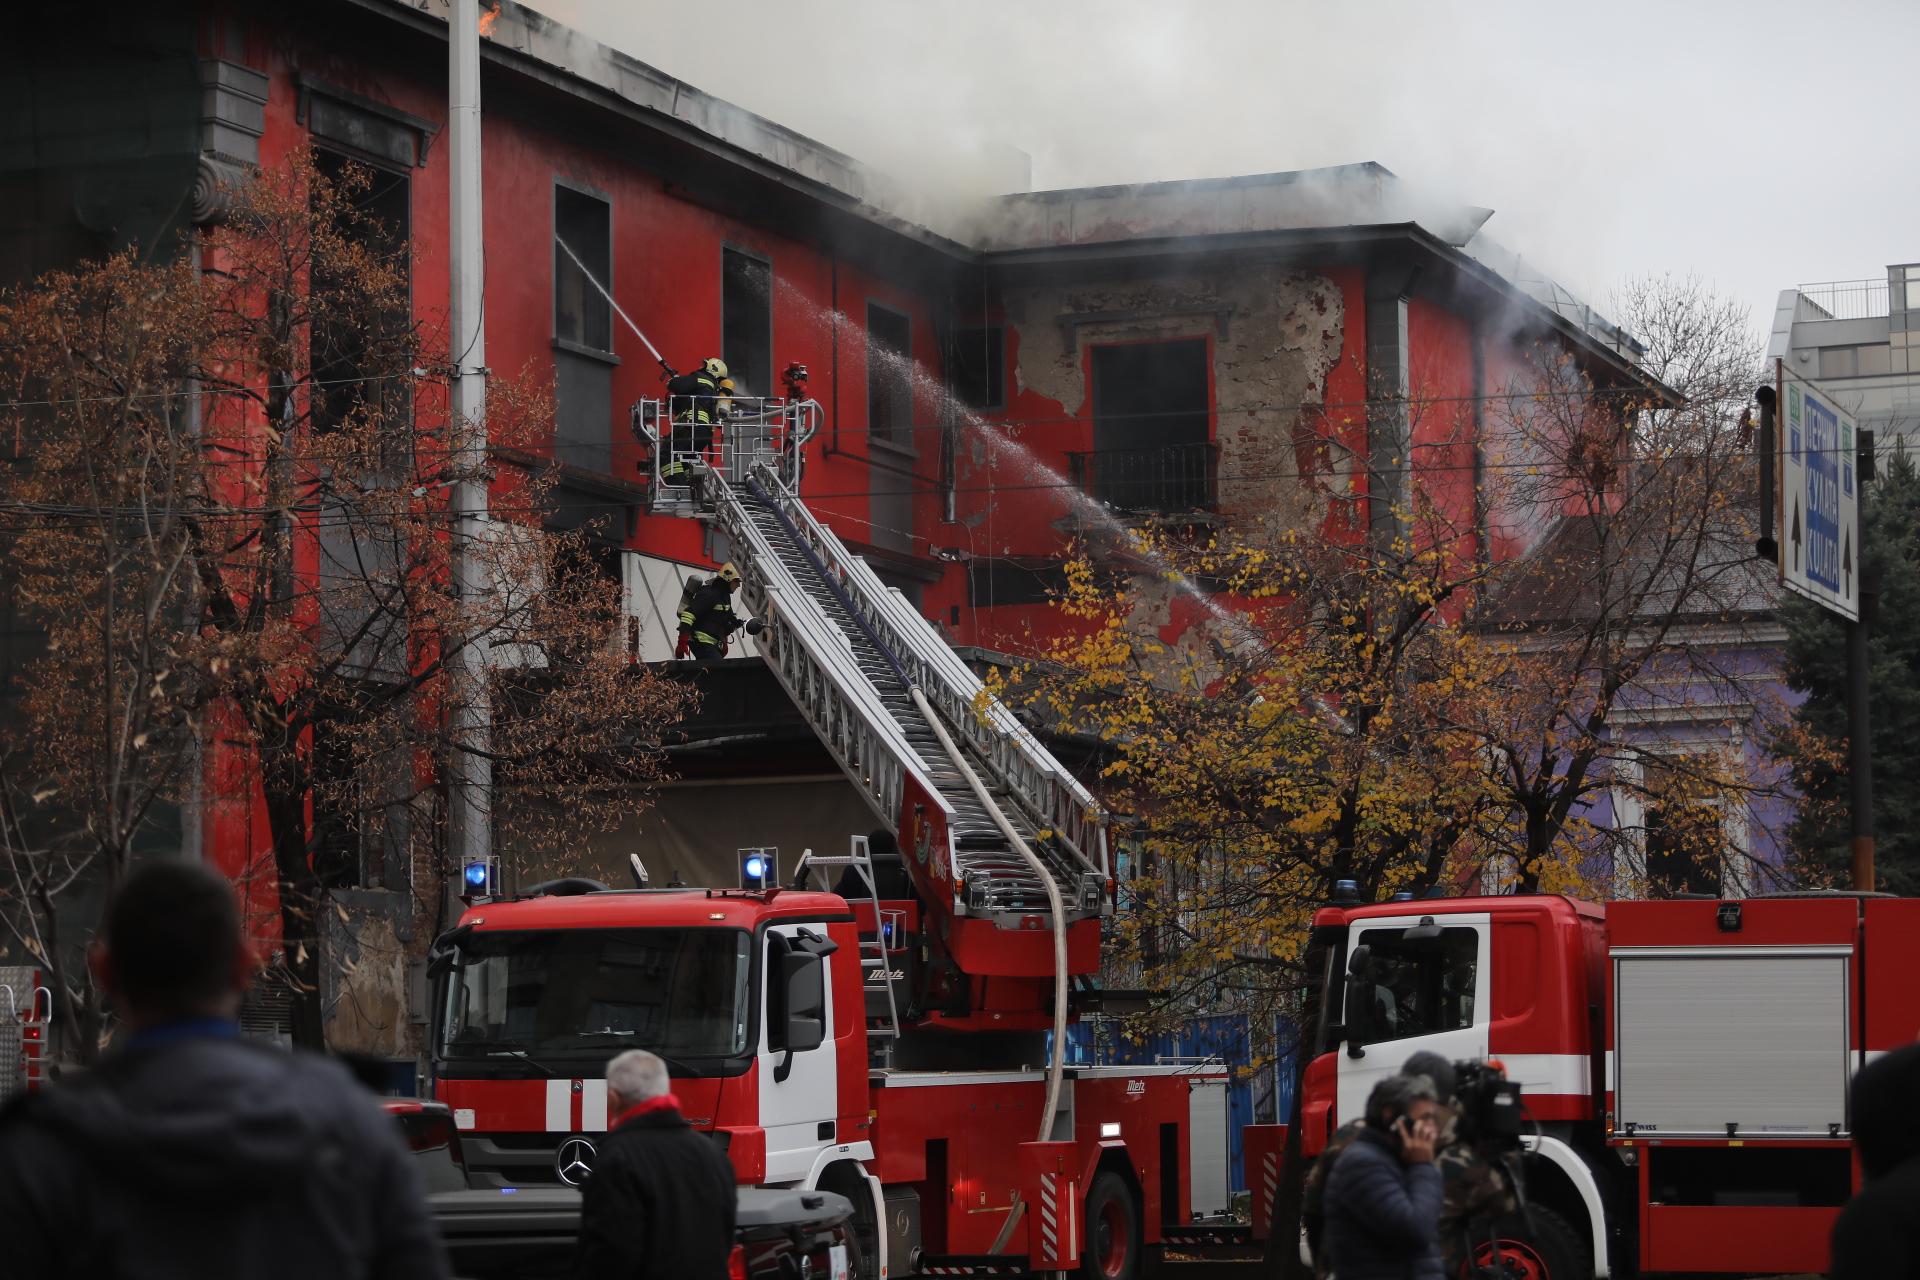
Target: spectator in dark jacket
{"points": [[661, 1199], [194, 1152], [1383, 1197], [1313, 1204], [1877, 1236]]}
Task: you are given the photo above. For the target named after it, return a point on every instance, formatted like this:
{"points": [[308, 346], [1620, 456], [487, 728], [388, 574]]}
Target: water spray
{"points": [[602, 290]]}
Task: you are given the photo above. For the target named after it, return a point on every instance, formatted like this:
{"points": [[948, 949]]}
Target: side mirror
{"points": [[446, 950], [1356, 1007], [806, 1001]]}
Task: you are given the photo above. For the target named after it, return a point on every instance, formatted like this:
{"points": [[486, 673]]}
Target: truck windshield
{"points": [[591, 993]]}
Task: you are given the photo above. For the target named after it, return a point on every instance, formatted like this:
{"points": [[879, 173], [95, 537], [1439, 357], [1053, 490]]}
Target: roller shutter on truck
{"points": [[1754, 1037], [1209, 1146]]}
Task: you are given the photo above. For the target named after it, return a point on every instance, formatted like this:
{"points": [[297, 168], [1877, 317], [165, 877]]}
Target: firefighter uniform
{"points": [[699, 402], [706, 620]]}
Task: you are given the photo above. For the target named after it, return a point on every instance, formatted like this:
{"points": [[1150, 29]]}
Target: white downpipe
{"points": [[1056, 1062], [470, 798]]}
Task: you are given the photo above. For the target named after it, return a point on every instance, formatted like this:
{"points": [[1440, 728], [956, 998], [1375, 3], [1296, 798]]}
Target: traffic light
{"points": [[480, 878], [759, 868]]}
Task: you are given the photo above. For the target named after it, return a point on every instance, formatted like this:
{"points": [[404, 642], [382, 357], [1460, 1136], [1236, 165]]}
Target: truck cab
{"points": [[1518, 978], [753, 999]]}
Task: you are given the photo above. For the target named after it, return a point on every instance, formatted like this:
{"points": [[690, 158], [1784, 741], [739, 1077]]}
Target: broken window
{"points": [[1151, 439], [978, 366], [1005, 582], [889, 375], [583, 359], [746, 321], [358, 359]]}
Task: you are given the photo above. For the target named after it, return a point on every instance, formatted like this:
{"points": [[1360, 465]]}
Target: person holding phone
{"points": [[1384, 1195]]}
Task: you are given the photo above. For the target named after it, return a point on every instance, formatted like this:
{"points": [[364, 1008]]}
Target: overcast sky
{"points": [[1759, 144]]}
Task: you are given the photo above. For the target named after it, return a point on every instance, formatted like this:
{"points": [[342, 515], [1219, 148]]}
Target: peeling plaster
{"points": [[1277, 334], [368, 1004]]}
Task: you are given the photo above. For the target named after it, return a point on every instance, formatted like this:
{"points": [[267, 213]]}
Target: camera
{"points": [[1490, 1108]]}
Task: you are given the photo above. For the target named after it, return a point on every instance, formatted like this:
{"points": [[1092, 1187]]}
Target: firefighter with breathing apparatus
{"points": [[706, 616], [699, 402]]}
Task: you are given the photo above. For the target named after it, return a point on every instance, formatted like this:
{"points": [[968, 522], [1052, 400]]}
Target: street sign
{"points": [[1819, 498]]}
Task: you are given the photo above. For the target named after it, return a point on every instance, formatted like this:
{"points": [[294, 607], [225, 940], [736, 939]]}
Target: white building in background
{"points": [[1860, 339]]}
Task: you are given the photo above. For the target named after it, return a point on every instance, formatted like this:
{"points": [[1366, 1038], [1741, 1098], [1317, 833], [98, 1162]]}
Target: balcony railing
{"points": [[1843, 300], [1168, 478]]}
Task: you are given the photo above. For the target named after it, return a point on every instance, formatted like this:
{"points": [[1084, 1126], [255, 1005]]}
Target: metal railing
{"points": [[814, 662], [1843, 300], [1166, 478], [1049, 797], [727, 436]]}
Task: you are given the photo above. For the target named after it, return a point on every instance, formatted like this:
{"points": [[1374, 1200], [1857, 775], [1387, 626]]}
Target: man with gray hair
{"points": [[661, 1198], [1383, 1197]]}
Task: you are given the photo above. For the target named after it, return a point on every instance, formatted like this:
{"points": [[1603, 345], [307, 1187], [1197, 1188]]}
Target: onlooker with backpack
{"points": [[191, 1151]]}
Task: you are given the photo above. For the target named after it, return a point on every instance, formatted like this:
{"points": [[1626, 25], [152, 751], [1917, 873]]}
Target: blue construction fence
{"points": [[1263, 1096]]}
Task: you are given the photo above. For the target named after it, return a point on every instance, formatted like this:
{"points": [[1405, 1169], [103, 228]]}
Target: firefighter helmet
{"points": [[728, 574], [714, 366]]}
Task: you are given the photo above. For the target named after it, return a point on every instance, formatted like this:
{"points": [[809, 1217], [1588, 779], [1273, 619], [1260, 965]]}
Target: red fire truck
{"points": [[892, 1047], [1685, 1063], [934, 1157]]}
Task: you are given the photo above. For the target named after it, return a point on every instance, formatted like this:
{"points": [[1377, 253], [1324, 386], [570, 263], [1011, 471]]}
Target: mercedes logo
{"points": [[574, 1161]]}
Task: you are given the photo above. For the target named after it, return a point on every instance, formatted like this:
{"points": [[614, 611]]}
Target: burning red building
{"points": [[1175, 352]]}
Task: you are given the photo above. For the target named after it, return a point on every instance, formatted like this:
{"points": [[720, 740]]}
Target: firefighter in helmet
{"points": [[699, 401], [706, 617]]}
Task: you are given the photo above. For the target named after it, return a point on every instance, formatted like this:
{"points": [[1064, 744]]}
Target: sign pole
{"points": [[1824, 462], [1859, 715]]}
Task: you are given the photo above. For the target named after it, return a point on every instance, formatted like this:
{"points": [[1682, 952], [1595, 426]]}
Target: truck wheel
{"points": [[1551, 1251], [1113, 1231], [863, 1238]]}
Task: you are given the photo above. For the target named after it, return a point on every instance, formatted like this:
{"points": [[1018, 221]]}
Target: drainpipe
{"points": [[470, 775]]}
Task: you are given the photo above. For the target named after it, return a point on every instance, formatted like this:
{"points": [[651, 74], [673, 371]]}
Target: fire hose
{"points": [[1056, 1061]]}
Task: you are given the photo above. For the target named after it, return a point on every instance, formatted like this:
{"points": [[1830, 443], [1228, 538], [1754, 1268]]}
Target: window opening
{"points": [[978, 366], [1152, 447], [357, 360], [582, 330], [1686, 846], [1420, 987], [580, 312], [746, 321], [889, 375]]}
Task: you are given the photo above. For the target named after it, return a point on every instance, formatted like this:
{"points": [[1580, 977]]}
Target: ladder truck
{"points": [[1685, 1063], [888, 1049]]}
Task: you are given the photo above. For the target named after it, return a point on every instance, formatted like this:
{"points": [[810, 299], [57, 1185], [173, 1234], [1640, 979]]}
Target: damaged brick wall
{"points": [[1276, 335]]}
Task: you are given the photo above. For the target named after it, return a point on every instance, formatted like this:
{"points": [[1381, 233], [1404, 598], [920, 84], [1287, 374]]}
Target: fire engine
{"points": [[1685, 1063], [889, 1048]]}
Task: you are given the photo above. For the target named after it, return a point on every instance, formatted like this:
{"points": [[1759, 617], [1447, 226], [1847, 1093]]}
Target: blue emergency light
{"points": [[480, 878], [759, 867]]}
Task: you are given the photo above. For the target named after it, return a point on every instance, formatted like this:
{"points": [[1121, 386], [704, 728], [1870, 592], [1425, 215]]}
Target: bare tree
{"points": [[1635, 601], [303, 584]]}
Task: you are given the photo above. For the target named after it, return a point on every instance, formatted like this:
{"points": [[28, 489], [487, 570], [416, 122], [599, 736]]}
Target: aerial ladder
{"points": [[994, 831]]}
